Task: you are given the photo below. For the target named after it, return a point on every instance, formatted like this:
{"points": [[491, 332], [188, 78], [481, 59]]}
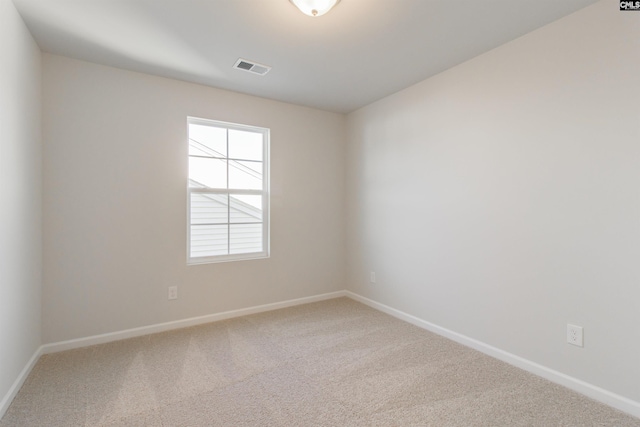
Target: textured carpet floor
{"points": [[333, 363]]}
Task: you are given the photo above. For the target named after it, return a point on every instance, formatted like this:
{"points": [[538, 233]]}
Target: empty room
{"points": [[319, 213]]}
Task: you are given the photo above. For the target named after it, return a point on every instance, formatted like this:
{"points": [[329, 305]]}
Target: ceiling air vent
{"points": [[252, 67]]}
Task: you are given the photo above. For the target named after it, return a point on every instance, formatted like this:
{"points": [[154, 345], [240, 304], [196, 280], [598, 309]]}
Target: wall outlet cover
{"points": [[575, 335]]}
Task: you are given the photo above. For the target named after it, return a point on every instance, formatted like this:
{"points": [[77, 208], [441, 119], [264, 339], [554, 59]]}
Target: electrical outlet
{"points": [[575, 335], [173, 292], [372, 278]]}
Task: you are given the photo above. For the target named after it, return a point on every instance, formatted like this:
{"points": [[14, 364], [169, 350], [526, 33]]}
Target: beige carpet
{"points": [[333, 363]]}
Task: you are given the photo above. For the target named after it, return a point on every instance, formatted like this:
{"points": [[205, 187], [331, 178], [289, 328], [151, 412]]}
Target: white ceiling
{"points": [[359, 52]]}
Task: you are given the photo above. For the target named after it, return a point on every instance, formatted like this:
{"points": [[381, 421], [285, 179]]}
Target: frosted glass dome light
{"points": [[314, 7]]}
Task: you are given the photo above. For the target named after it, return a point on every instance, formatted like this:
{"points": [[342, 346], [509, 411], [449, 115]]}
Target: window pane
{"points": [[245, 175], [207, 173], [207, 141], [228, 200], [209, 240], [209, 208], [246, 208], [245, 238], [245, 145]]}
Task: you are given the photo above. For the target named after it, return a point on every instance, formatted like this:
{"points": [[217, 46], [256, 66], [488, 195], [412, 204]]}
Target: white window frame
{"points": [[264, 192]]}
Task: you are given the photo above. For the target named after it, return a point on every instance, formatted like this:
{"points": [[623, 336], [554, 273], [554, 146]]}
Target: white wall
{"points": [[20, 197], [115, 173], [500, 198]]}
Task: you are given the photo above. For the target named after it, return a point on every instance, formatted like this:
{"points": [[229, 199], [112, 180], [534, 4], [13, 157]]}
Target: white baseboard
{"points": [[608, 398], [15, 388], [162, 327]]}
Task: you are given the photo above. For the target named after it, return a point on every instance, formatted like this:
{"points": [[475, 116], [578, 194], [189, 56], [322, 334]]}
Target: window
{"points": [[228, 206]]}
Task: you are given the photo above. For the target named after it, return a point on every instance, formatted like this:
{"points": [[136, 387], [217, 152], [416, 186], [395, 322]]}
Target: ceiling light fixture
{"points": [[314, 7]]}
